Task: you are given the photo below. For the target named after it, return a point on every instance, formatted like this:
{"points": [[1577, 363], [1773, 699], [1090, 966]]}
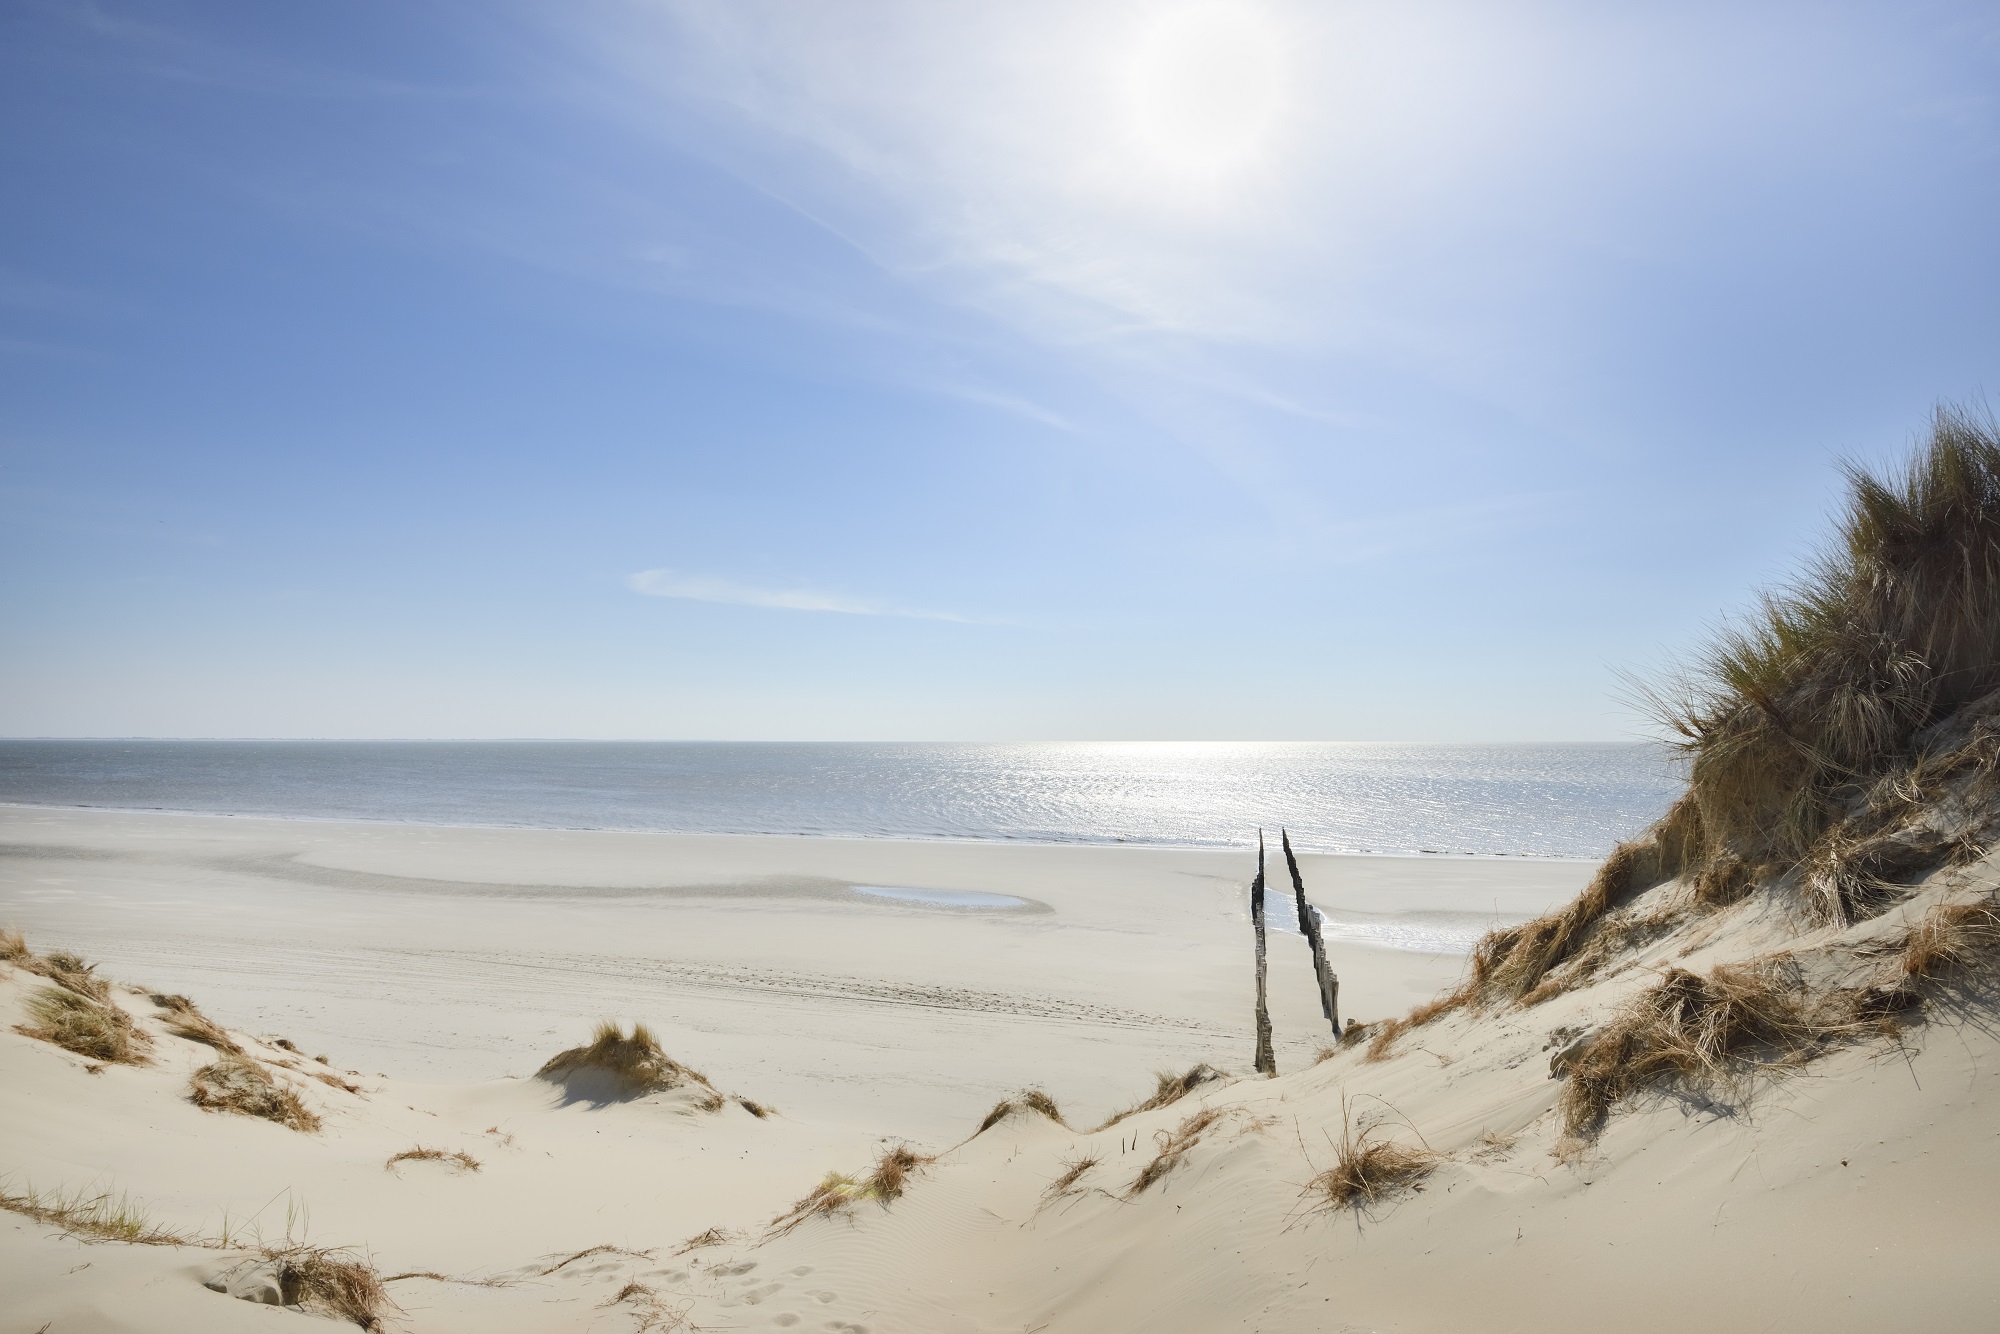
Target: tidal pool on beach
{"points": [[942, 898]]}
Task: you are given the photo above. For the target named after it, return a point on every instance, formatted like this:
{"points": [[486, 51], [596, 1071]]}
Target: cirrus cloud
{"points": [[708, 588]]}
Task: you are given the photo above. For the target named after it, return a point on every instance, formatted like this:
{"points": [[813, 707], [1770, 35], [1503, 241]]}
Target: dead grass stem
{"points": [[1169, 1088], [1173, 1148], [715, 1236], [464, 1161], [1073, 1172]]}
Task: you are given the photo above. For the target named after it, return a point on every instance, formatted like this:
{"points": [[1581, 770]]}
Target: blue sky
{"points": [[1218, 370]]}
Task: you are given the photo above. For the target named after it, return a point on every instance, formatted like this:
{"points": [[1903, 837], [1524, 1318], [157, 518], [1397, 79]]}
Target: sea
{"points": [[1533, 800]]}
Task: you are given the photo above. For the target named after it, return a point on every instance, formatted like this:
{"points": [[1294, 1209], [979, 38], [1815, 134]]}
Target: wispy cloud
{"points": [[707, 588]]}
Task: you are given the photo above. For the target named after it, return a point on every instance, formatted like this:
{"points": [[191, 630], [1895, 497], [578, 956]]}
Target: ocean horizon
{"points": [[1532, 799]]}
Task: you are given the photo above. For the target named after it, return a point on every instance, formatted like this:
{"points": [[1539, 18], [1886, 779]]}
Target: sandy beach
{"points": [[396, 989], [467, 954]]}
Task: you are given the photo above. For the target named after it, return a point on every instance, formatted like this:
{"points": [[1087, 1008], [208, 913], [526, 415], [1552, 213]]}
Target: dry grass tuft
{"points": [[332, 1282], [1951, 938], [1382, 1035], [1367, 1169], [464, 1161], [1382, 1039], [651, 1309], [1028, 1100], [185, 1021], [837, 1192], [634, 1061], [1073, 1172], [1169, 1088], [893, 1170], [715, 1236], [235, 1084], [759, 1110], [67, 970], [13, 946], [1702, 1031], [1173, 1146], [834, 1194], [100, 1217], [75, 1022], [586, 1253]]}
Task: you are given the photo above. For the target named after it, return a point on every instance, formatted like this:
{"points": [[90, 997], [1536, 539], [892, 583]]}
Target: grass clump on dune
{"points": [[1951, 938], [1173, 1146], [96, 1029], [236, 1084], [633, 1062], [185, 1021], [837, 1192], [331, 1282], [58, 966], [1699, 1031], [1030, 1101], [460, 1159], [1821, 733], [1169, 1088], [1367, 1169], [1074, 1170]]}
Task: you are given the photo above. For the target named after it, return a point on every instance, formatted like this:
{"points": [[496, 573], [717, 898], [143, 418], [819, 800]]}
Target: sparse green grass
{"points": [[100, 1216]]}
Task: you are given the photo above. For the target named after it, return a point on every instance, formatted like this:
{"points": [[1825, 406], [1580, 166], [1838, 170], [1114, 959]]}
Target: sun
{"points": [[1206, 85]]}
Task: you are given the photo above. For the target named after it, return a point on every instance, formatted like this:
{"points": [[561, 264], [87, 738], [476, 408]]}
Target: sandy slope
{"points": [[1853, 1194]]}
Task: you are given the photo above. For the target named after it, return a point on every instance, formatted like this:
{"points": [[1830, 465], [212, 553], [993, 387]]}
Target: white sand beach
{"points": [[467, 954], [437, 969]]}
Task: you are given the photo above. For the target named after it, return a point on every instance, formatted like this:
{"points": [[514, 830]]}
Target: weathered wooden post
{"points": [[1329, 981], [1267, 1064]]}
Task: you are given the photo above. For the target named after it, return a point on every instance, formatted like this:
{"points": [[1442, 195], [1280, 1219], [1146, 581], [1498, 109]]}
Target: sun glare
{"points": [[1206, 85]]}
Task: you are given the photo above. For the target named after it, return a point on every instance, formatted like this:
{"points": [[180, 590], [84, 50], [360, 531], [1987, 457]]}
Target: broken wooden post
{"points": [[1329, 981], [1267, 1064]]}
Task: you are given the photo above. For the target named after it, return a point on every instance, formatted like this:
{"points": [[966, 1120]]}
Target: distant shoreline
{"points": [[1418, 854]]}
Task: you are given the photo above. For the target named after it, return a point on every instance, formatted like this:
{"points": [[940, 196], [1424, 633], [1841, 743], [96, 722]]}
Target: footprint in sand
{"points": [[802, 1271], [731, 1271], [824, 1298], [846, 1327], [785, 1320], [756, 1295]]}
